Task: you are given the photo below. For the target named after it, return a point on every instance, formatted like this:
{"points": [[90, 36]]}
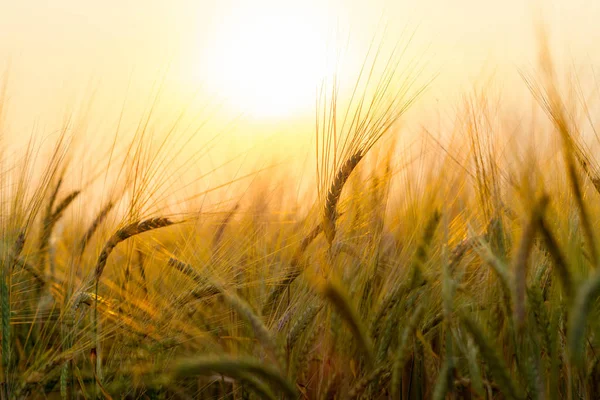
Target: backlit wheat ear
{"points": [[122, 234], [333, 195], [125, 233]]}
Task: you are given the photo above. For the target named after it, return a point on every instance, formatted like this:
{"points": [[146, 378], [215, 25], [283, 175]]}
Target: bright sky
{"points": [[257, 60]]}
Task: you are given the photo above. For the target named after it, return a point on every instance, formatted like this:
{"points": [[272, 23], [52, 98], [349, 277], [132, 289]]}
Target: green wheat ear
{"points": [[301, 324], [496, 365], [587, 294], [261, 331], [237, 368], [338, 298]]}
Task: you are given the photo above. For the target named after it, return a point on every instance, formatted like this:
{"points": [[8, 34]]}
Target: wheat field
{"points": [[455, 274]]}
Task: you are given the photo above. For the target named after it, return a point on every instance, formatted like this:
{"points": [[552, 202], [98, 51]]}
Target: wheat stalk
{"points": [[402, 352], [94, 226], [50, 219]]}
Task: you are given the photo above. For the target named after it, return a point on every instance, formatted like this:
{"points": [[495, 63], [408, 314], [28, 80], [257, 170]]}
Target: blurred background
{"points": [[242, 77]]}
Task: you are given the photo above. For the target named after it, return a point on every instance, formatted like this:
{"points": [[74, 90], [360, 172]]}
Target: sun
{"points": [[266, 60]]}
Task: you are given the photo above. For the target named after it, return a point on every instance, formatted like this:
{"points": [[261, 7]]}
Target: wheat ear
{"points": [[236, 368], [333, 195], [122, 234], [125, 233], [342, 304]]}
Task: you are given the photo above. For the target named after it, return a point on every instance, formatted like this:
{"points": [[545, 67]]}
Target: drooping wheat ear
{"points": [[125, 233], [237, 368], [94, 226], [206, 287], [333, 195], [496, 365], [301, 324], [261, 332], [342, 304], [122, 234], [189, 271], [519, 264], [261, 389]]}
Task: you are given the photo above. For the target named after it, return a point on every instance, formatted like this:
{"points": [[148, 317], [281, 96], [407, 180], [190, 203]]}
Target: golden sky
{"points": [[258, 61]]}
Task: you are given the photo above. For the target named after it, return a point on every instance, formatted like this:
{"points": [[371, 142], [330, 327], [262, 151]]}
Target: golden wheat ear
{"points": [[333, 195]]}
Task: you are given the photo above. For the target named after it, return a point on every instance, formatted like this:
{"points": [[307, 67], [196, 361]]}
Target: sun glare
{"points": [[267, 61]]}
